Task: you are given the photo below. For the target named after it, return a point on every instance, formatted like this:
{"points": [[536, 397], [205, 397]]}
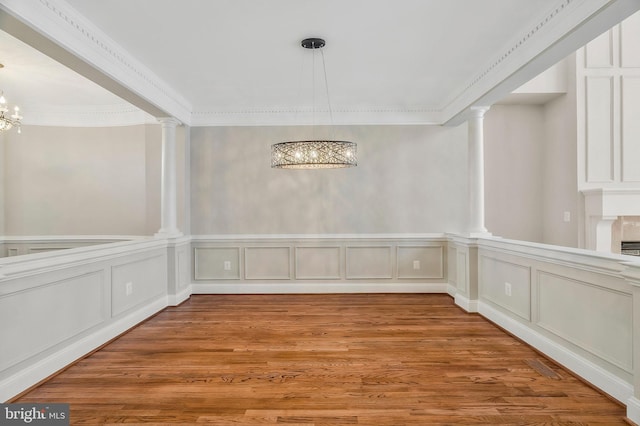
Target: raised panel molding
{"points": [[320, 263], [209, 263], [599, 129], [77, 303], [604, 329], [629, 36], [630, 127], [420, 262], [317, 263], [137, 281], [369, 262], [267, 263], [496, 275], [599, 52]]}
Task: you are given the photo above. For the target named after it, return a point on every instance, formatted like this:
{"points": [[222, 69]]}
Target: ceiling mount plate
{"points": [[312, 43]]}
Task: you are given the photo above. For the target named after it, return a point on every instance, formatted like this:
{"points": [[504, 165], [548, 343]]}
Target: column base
{"points": [[168, 233], [477, 234]]}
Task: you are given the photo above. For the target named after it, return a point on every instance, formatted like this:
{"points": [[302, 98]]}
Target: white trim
{"points": [[316, 288], [470, 306], [37, 263], [267, 237], [176, 299], [342, 116], [68, 238], [27, 377], [87, 116], [633, 409], [452, 290], [594, 374]]}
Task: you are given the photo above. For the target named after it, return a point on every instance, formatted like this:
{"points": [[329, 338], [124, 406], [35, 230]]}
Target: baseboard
{"points": [[176, 299], [592, 373], [452, 290], [633, 410], [316, 288], [40, 370], [466, 304]]}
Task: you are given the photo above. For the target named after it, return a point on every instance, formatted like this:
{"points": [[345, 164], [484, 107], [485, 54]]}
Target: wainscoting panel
{"points": [[506, 284], [451, 266], [136, 282], [217, 263], [317, 263], [267, 263], [420, 262], [603, 328], [77, 304], [461, 272], [369, 262], [320, 264]]}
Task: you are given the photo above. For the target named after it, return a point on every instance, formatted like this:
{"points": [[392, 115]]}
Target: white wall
{"points": [[513, 137], [409, 179], [559, 173], [85, 181]]}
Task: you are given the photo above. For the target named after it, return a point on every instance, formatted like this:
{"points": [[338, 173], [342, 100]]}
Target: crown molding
{"points": [[87, 116], [58, 30], [307, 117], [567, 26]]}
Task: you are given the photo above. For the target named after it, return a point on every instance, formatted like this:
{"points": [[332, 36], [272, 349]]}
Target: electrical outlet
{"points": [[227, 265], [416, 264], [507, 289], [566, 216], [128, 288]]}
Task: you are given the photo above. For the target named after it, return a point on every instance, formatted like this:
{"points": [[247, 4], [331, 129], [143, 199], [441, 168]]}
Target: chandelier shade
{"points": [[314, 155]]}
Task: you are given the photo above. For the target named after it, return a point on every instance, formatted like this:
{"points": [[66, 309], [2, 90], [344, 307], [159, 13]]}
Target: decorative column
{"points": [[169, 204], [476, 172]]}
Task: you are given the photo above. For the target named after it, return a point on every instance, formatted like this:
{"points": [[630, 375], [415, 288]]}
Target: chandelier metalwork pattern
{"points": [[314, 155]]}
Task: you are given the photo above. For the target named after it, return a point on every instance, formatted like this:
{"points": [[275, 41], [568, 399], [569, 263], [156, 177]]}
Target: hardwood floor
{"points": [[377, 359]]}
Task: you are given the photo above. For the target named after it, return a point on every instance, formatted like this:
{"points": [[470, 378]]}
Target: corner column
{"points": [[169, 205], [476, 172]]}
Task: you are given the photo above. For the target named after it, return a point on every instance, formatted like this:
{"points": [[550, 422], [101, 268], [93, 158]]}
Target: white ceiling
{"points": [[240, 61]]}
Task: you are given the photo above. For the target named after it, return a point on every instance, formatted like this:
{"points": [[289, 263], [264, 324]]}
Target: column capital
{"points": [[478, 111], [169, 121]]}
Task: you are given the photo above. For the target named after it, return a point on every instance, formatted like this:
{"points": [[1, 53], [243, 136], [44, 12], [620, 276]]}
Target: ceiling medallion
{"points": [[314, 154]]}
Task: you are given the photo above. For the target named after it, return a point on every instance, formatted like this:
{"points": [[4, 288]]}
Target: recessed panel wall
{"points": [[321, 263], [217, 263], [420, 262], [599, 52], [137, 281], [369, 262], [592, 317], [267, 263], [77, 303], [629, 36], [506, 284], [631, 128], [599, 129]]}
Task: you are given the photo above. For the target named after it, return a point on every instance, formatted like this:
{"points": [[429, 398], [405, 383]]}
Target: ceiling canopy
{"points": [[239, 62]]}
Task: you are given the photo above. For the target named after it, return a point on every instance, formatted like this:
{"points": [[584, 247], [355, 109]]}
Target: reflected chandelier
{"points": [[314, 154], [6, 121]]}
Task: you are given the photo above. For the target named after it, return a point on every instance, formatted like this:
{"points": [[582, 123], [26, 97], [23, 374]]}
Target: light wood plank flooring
{"points": [[376, 359]]}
